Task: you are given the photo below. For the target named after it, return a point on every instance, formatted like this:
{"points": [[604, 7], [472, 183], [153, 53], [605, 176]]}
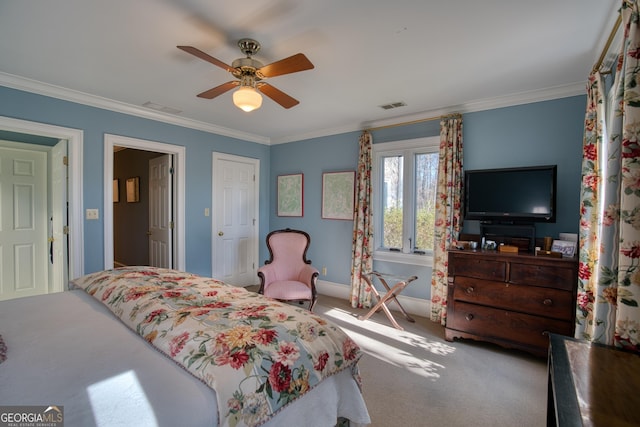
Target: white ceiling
{"points": [[435, 56]]}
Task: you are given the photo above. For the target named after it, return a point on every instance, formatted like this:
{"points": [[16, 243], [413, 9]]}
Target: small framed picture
{"points": [[116, 190], [338, 195], [290, 195], [133, 190], [567, 248]]}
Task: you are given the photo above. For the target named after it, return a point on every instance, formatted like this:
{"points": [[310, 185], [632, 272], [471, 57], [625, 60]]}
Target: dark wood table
{"points": [[592, 385]]}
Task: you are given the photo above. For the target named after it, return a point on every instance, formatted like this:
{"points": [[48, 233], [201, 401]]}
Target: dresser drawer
{"points": [[477, 267], [547, 302], [543, 275], [505, 325]]}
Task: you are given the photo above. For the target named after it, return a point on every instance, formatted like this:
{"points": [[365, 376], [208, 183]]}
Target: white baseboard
{"points": [[416, 306]]}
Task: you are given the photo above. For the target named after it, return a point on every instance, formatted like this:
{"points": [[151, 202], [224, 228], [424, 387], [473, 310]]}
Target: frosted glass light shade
{"points": [[247, 98]]}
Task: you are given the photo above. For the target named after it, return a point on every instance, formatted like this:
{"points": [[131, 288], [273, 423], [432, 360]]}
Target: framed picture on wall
{"points": [[290, 195], [133, 189], [116, 190], [338, 195]]}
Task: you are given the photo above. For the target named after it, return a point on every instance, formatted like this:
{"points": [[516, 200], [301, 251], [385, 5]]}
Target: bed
{"points": [[156, 347]]}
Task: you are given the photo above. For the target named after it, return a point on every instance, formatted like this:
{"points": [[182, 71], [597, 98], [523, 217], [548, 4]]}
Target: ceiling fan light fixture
{"points": [[251, 71], [247, 98]]}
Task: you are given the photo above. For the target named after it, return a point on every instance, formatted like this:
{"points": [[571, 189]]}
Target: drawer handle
{"points": [[547, 302], [470, 290], [469, 316]]}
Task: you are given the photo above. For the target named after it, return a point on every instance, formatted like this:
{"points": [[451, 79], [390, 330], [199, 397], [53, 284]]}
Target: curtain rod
{"points": [[607, 45], [413, 122]]}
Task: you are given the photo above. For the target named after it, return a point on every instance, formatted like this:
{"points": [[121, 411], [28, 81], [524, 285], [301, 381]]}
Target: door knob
{"points": [[220, 233]]}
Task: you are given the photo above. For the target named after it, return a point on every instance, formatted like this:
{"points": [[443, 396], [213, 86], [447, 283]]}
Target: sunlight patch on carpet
{"points": [[392, 346]]}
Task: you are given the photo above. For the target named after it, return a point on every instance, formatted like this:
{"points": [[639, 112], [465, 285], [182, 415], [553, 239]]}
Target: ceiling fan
{"points": [[250, 74]]}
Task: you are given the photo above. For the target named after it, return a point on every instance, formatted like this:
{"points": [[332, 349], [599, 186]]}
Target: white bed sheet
{"points": [[68, 349]]}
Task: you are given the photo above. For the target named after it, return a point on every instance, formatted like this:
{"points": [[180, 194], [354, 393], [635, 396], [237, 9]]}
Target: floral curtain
{"points": [[448, 216], [362, 258], [609, 270]]}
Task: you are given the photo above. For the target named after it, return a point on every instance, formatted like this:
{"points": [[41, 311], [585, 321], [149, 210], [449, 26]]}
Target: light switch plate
{"points": [[92, 214]]}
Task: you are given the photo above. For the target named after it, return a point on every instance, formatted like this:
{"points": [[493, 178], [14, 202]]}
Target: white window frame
{"points": [[406, 148]]}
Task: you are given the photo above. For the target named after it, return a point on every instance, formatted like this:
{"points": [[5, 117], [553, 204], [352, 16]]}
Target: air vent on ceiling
{"points": [[393, 105]]}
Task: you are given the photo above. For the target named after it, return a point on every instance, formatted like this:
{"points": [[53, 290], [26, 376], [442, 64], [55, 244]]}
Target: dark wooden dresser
{"points": [[513, 300]]}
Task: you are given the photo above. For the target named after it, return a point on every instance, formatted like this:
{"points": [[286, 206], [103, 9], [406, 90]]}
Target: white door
{"points": [[23, 223], [160, 218], [235, 215]]}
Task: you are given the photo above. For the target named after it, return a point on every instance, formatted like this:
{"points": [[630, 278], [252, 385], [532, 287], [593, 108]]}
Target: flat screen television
{"points": [[511, 195]]}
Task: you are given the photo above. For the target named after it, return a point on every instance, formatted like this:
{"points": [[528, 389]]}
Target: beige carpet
{"points": [[416, 378]]}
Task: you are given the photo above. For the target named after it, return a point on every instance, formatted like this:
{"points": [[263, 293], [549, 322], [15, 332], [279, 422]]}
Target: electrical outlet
{"points": [[324, 271], [206, 211], [92, 214]]}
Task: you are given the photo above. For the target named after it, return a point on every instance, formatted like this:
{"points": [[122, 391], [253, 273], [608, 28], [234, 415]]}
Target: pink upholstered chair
{"points": [[288, 275]]}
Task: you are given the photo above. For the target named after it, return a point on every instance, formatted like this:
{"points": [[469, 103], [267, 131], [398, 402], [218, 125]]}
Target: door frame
{"points": [[178, 153], [75, 199], [217, 156]]}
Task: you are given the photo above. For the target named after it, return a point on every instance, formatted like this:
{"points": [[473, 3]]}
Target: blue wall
{"points": [[199, 146], [544, 133], [548, 132], [330, 239]]}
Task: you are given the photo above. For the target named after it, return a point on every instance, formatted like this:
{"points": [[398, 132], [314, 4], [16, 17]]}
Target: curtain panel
{"points": [[448, 220], [362, 249], [607, 309]]}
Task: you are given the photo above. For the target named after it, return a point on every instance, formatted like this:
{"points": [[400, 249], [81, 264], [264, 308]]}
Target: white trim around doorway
{"points": [[179, 181], [75, 138]]}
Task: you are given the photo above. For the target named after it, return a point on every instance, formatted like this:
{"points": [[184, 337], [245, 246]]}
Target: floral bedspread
{"points": [[256, 353]]}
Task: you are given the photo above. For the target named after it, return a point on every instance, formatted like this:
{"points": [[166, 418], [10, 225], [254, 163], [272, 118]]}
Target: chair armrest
{"points": [[308, 275], [267, 274]]}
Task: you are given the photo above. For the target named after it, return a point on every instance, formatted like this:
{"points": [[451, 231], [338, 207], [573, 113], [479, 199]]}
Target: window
{"points": [[404, 189]]}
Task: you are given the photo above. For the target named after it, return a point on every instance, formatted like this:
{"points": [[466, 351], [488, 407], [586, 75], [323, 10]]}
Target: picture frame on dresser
{"points": [[566, 247]]}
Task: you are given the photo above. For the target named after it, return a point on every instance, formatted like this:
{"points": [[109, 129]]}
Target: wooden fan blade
{"points": [[277, 95], [219, 90], [200, 54], [292, 64]]}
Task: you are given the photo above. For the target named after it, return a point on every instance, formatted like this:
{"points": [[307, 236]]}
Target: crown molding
{"points": [[316, 134], [520, 98], [45, 89], [28, 85]]}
